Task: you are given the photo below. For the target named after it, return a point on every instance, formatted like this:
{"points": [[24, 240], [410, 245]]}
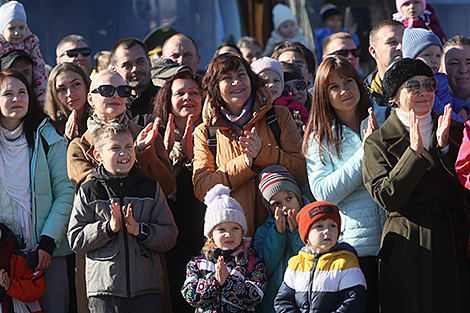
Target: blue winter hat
{"points": [[416, 40]]}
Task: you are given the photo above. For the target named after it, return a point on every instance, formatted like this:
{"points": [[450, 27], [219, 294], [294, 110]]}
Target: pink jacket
{"points": [[462, 165], [289, 103]]}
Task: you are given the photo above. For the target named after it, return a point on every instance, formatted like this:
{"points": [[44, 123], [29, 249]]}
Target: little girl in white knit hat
{"points": [[226, 277]]}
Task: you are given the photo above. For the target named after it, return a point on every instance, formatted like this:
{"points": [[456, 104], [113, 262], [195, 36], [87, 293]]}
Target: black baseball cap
{"points": [[7, 60]]}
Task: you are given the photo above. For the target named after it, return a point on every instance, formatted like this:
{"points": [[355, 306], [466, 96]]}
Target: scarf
{"points": [[243, 118], [93, 122], [15, 175]]}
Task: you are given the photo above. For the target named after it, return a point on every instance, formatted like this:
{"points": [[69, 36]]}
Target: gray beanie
{"points": [[274, 179], [222, 208], [266, 63], [9, 12], [416, 40]]}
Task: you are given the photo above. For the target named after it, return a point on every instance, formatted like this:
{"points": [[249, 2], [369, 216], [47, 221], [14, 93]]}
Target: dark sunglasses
{"points": [[345, 52], [72, 53], [123, 91], [300, 85], [413, 86]]}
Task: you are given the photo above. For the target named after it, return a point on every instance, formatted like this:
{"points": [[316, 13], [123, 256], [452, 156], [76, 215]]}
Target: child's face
{"points": [[273, 82], [334, 23], [285, 201], [323, 235], [227, 235], [412, 9], [15, 32], [431, 56], [288, 29], [117, 154]]}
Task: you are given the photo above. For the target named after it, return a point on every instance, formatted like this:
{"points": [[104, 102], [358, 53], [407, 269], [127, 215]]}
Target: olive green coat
{"points": [[423, 262]]}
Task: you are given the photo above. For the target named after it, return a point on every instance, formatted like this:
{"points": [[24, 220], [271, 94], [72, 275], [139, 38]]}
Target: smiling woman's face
{"points": [[186, 99], [235, 89]]}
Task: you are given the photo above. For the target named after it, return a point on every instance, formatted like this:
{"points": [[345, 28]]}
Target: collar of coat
{"points": [[393, 132], [213, 118]]}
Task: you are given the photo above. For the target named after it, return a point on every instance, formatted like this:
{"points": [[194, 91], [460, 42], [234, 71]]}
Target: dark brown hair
{"points": [[322, 115], [220, 65], [162, 102], [126, 44], [227, 44], [34, 116]]}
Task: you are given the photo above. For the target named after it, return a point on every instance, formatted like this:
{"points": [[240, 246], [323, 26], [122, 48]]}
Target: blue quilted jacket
{"points": [[339, 181]]}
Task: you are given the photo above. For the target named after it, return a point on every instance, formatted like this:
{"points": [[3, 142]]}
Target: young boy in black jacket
{"points": [[121, 220]]}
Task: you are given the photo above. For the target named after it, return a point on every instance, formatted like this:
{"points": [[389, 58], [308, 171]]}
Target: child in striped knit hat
{"points": [[278, 238]]}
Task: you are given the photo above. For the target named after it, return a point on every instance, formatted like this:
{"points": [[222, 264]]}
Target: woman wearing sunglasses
{"points": [[236, 108], [333, 150], [409, 170], [107, 96], [66, 100]]}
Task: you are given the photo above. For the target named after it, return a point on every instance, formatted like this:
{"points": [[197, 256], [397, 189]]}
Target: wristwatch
{"points": [[144, 231]]}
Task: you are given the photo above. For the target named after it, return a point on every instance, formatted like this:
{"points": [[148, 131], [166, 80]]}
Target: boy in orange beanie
{"points": [[325, 276]]}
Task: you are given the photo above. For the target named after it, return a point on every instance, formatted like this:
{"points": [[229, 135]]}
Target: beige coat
{"points": [[230, 168], [153, 160]]}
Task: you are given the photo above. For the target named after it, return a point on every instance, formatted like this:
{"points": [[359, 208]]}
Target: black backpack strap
{"points": [[212, 140], [271, 119]]}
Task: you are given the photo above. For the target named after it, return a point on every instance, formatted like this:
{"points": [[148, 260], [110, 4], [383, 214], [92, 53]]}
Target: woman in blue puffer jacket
{"points": [[35, 193], [333, 152]]}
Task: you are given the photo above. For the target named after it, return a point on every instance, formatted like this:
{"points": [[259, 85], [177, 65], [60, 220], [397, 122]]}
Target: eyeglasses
{"points": [[345, 52], [413, 86], [72, 53], [123, 91], [300, 85]]}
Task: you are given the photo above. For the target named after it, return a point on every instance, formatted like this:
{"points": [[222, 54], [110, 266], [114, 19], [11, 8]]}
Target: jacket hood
{"points": [[212, 116], [117, 182], [368, 79]]}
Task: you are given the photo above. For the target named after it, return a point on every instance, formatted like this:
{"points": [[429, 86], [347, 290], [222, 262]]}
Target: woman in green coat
{"points": [[409, 170]]}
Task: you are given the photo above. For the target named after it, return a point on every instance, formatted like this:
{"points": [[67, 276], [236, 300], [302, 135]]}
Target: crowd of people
{"points": [[282, 179]]}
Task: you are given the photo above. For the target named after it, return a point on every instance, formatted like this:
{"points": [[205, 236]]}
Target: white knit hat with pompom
{"points": [[222, 208]]}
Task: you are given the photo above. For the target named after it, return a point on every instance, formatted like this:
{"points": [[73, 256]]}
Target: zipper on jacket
{"points": [[310, 283], [33, 175], [126, 243]]}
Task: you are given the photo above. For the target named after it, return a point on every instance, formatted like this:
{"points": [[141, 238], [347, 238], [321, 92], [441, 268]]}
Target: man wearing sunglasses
{"points": [[130, 59], [342, 44], [74, 49]]}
